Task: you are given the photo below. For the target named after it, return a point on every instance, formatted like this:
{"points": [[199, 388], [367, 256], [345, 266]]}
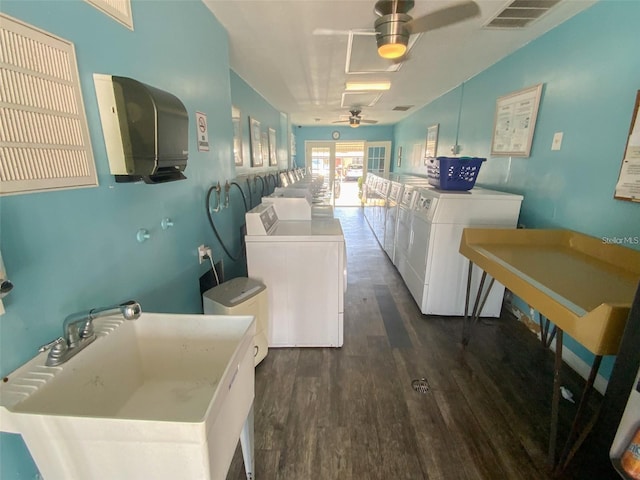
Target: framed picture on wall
{"points": [[431, 143], [237, 136], [265, 146], [273, 152], [515, 121], [256, 142]]}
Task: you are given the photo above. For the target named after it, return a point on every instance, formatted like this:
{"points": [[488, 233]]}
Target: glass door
{"points": [[378, 157], [349, 173], [320, 162]]}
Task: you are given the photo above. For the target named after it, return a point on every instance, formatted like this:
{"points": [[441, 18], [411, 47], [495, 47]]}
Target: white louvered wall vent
{"points": [[119, 10], [44, 139], [520, 13]]}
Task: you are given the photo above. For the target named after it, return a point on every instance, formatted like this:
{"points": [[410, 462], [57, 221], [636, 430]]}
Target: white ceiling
{"points": [[273, 48]]}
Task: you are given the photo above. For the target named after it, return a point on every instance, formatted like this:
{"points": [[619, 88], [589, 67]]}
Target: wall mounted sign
{"points": [[628, 186], [256, 140], [273, 152], [203, 132], [431, 144], [237, 136], [515, 122], [265, 147]]}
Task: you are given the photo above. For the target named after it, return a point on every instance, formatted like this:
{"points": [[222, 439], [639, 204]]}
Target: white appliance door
{"points": [[402, 238], [390, 231], [417, 257], [305, 288]]}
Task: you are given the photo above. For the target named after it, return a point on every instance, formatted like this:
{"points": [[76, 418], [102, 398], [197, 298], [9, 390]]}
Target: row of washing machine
{"points": [[419, 227], [297, 249]]}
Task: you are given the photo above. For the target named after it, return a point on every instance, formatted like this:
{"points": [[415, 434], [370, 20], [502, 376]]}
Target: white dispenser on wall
{"points": [[242, 296]]}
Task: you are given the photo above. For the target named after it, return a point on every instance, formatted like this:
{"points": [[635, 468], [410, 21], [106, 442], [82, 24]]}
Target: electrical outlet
{"points": [[556, 144], [202, 253]]}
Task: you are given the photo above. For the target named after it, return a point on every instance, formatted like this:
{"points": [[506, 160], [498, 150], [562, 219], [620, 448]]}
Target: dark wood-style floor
{"points": [[351, 413]]}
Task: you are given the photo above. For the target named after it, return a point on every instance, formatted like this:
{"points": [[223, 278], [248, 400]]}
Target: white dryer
{"points": [[434, 271], [303, 265], [378, 213], [403, 228], [391, 218]]}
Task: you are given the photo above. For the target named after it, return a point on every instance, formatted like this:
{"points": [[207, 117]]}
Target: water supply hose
{"points": [[244, 198], [213, 226]]}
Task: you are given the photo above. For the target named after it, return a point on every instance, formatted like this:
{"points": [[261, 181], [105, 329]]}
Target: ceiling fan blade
{"points": [[362, 120], [443, 17], [341, 121], [329, 31]]}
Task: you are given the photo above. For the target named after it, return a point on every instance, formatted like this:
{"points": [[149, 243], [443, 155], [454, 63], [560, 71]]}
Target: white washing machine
{"points": [[403, 228], [370, 197], [368, 187], [435, 272], [391, 218], [303, 264], [242, 296], [378, 212], [293, 206]]}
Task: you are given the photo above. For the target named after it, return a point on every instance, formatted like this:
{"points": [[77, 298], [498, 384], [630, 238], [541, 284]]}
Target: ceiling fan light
{"points": [[392, 35], [354, 125], [392, 50]]}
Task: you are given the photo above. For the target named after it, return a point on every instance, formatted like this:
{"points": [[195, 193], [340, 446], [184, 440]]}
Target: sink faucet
{"points": [[78, 331]]}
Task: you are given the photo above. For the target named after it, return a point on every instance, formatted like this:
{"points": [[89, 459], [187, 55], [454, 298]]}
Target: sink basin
{"points": [[165, 396]]}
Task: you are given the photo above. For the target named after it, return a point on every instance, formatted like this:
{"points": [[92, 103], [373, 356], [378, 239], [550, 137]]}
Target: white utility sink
{"points": [[161, 397]]}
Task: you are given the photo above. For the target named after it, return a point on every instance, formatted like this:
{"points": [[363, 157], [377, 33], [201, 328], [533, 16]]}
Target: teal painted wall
{"points": [[591, 73], [72, 250], [371, 133]]}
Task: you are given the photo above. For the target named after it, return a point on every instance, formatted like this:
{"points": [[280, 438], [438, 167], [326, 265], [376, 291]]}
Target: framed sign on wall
{"points": [[628, 186], [237, 136], [273, 151], [256, 142], [431, 143], [515, 122]]}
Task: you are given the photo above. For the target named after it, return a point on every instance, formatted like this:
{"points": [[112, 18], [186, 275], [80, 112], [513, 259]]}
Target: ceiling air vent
{"points": [[520, 13], [402, 108]]}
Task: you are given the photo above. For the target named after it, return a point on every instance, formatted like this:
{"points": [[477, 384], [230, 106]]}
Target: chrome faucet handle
{"points": [[52, 344], [87, 330], [57, 348]]}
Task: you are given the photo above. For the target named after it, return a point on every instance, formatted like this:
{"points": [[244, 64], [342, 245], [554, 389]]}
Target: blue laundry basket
{"points": [[453, 173]]}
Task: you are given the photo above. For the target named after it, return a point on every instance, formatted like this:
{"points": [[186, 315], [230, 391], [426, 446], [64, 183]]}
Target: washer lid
{"points": [[235, 291]]}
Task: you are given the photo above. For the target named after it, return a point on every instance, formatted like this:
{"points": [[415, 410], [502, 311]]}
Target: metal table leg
{"points": [[247, 444], [545, 337], [571, 446], [478, 305], [555, 402]]}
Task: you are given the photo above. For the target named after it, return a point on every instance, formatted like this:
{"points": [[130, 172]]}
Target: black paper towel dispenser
{"points": [[146, 130]]}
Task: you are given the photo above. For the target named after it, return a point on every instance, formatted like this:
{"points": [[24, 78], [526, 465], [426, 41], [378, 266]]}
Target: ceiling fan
{"points": [[394, 25], [355, 119]]}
